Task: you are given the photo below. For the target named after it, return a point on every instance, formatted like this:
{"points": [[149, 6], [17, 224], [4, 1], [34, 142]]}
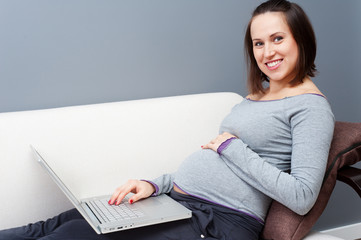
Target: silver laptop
{"points": [[105, 218]]}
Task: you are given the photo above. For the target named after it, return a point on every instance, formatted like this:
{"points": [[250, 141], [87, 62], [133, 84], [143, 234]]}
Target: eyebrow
{"points": [[272, 35]]}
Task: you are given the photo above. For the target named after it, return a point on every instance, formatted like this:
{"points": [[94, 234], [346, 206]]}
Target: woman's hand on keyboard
{"points": [[141, 189]]}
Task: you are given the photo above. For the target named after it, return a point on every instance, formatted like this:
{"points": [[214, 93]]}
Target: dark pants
{"points": [[209, 221]]}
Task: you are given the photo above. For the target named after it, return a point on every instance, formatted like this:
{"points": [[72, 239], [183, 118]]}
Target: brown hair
{"points": [[303, 34]]}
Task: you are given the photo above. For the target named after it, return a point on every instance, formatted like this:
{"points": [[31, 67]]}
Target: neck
{"points": [[276, 87], [279, 89]]}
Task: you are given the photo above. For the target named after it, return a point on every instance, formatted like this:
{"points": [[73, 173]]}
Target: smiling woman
{"points": [[265, 149], [275, 49], [280, 45]]}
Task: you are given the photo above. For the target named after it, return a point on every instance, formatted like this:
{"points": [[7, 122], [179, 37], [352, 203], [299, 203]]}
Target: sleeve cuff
{"points": [[224, 145]]}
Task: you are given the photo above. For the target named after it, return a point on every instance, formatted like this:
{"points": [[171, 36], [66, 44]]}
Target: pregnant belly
{"points": [[203, 170], [204, 174]]}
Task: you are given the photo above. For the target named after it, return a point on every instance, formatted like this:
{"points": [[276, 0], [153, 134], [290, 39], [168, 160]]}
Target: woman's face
{"points": [[274, 47]]}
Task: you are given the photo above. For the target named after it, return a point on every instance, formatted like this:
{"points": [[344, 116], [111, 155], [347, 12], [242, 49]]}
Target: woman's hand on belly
{"points": [[215, 143]]}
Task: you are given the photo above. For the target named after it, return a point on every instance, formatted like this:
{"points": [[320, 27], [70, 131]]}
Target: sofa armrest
{"points": [[351, 176]]}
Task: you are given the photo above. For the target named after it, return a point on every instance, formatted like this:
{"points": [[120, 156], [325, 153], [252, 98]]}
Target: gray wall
{"points": [[72, 52]]}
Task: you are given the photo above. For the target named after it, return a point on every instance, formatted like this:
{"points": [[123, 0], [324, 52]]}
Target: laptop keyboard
{"points": [[112, 213]]}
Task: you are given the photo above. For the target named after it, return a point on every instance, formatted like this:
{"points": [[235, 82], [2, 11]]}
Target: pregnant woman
{"points": [[272, 145]]}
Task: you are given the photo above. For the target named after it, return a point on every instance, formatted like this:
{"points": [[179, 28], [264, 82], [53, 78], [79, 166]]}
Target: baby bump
{"points": [[202, 169]]}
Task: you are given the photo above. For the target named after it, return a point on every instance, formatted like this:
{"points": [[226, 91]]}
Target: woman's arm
{"points": [[298, 190], [162, 184], [142, 189]]}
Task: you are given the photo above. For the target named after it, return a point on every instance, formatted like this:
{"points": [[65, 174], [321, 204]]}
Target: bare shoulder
{"points": [[309, 87]]}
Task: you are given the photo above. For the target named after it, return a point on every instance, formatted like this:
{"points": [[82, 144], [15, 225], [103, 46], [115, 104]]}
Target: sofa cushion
{"points": [[282, 223]]}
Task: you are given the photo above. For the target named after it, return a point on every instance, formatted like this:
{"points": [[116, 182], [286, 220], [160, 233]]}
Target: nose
{"points": [[269, 51]]}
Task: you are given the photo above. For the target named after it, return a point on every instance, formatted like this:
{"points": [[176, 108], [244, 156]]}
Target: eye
{"points": [[278, 39], [258, 44]]}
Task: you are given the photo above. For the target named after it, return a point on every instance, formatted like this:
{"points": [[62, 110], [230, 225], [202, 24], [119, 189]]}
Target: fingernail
{"points": [[110, 202], [201, 146], [131, 201]]}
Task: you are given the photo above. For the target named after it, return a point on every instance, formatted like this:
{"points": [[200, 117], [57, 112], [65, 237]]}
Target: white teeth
{"points": [[272, 64]]}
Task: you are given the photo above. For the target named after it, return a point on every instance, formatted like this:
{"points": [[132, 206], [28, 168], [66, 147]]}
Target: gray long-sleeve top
{"points": [[281, 153]]}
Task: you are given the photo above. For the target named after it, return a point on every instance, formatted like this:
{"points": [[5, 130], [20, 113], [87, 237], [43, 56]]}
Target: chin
{"points": [[279, 77]]}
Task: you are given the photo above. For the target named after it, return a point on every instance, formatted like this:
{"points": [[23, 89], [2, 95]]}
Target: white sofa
{"points": [[95, 148]]}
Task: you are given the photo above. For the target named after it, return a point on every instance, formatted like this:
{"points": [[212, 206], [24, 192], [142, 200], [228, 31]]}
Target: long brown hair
{"points": [[303, 34]]}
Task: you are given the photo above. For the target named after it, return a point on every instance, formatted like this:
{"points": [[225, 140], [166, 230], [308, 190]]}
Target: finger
{"points": [[121, 196], [132, 187], [115, 195], [206, 146], [121, 192], [144, 190], [136, 197], [214, 140], [209, 146]]}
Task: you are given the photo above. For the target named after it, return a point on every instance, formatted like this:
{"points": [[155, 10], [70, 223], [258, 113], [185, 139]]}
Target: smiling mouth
{"points": [[273, 64]]}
